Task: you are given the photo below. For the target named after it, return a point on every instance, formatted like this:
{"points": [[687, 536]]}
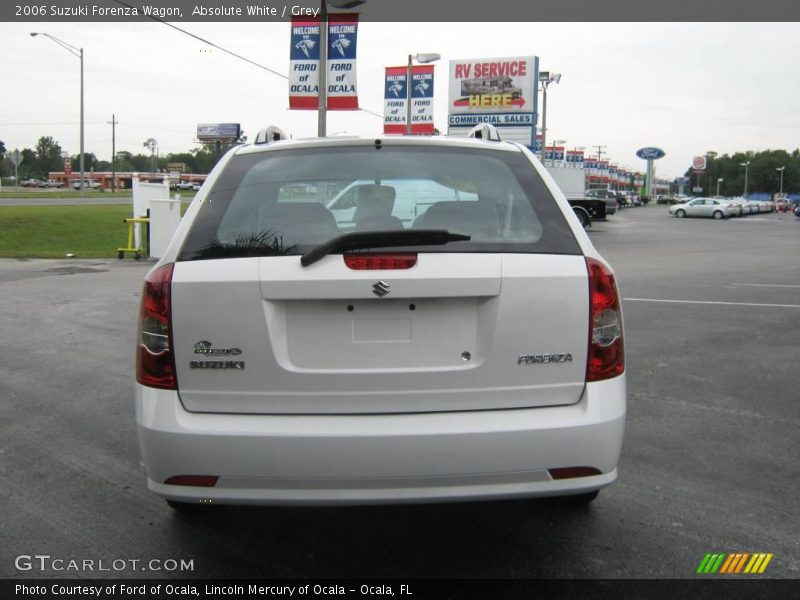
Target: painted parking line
{"points": [[777, 285], [711, 302]]}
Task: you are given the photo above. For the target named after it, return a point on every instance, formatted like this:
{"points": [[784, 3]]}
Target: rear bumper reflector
{"points": [[573, 472], [193, 480]]}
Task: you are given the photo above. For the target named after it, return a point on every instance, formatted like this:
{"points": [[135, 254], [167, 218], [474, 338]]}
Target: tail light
{"points": [[155, 362], [606, 349]]}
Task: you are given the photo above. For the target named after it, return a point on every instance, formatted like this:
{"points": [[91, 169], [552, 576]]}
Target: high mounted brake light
{"points": [[366, 262], [606, 357], [155, 361]]}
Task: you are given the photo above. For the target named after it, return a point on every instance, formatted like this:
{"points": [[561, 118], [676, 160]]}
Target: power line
{"points": [[47, 124], [205, 41], [218, 47]]}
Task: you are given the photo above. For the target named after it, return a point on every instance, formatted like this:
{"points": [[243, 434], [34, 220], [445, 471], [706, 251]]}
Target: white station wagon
{"points": [[474, 351]]}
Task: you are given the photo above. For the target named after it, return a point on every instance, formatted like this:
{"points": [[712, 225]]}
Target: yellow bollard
{"points": [[131, 248]]}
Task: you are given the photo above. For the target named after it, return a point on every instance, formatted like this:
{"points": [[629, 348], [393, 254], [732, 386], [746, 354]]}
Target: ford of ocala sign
{"points": [[650, 153]]}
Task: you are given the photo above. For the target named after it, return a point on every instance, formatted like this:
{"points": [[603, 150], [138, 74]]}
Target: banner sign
{"points": [[498, 91], [395, 94], [575, 159], [554, 153], [603, 169], [304, 58], [537, 145]]}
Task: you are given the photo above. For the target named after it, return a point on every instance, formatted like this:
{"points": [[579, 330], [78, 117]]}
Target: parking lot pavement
{"points": [[709, 462]]}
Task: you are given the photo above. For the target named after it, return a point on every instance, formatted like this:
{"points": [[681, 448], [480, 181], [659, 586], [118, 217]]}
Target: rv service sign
{"points": [[499, 91]]}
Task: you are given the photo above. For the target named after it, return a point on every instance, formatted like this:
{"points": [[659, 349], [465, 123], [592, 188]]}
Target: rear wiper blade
{"points": [[381, 239]]}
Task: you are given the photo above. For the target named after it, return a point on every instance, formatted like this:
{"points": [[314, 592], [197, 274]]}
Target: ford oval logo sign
{"points": [[650, 153]]}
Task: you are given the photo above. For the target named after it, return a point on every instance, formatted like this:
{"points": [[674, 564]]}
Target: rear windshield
{"points": [[285, 202]]}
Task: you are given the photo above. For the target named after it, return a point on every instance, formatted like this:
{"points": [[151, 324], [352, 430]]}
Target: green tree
{"points": [[28, 167], [48, 156], [125, 161], [5, 165], [762, 173], [205, 157], [89, 162]]}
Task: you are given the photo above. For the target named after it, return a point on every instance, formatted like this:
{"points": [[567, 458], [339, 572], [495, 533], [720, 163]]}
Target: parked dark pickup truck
{"points": [[589, 209], [610, 197]]}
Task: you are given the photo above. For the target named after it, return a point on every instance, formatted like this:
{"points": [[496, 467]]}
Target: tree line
{"points": [[48, 156], [762, 173]]}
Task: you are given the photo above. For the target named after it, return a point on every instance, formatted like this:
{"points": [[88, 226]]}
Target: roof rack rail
{"points": [[270, 134], [485, 131]]}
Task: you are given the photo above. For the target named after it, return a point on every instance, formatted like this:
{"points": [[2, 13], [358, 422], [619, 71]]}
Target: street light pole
{"points": [[719, 180], [113, 124], [781, 169], [551, 78], [409, 75], [745, 165], [420, 58], [322, 106], [79, 53]]}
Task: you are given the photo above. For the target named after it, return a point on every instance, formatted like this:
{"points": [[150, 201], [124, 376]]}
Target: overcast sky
{"points": [[687, 88]]}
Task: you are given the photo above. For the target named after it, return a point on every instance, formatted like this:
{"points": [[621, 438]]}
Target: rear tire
{"points": [[582, 218], [680, 213], [718, 214], [185, 507], [578, 499]]}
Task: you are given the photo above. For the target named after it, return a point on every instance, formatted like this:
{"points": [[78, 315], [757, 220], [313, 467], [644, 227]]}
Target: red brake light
{"points": [[572, 472], [365, 262], [155, 362], [606, 349], [193, 480]]}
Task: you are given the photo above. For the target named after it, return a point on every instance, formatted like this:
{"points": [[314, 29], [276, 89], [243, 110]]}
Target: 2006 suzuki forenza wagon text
{"points": [[469, 346]]}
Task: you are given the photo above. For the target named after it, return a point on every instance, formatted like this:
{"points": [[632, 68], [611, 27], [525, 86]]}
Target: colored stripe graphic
{"points": [[758, 563], [727, 564], [735, 563], [711, 563]]}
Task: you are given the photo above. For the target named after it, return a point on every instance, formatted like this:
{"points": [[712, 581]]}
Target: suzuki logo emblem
{"points": [[380, 289]]}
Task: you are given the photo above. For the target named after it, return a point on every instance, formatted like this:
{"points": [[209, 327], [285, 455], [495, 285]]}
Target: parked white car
{"points": [[474, 351], [88, 184], [702, 207]]}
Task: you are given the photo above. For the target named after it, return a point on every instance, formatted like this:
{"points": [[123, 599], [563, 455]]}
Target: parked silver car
{"points": [[703, 207]]}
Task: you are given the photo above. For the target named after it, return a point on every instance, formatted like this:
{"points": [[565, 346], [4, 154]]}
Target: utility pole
{"points": [[113, 122], [600, 150]]}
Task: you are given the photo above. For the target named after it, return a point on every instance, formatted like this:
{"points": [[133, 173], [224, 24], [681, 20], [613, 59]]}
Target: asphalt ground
{"points": [[709, 464]]}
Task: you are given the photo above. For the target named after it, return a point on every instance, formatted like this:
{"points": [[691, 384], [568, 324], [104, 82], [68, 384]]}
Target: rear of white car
{"points": [[467, 348]]}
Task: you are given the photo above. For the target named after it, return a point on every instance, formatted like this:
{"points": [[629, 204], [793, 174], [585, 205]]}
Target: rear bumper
{"points": [[353, 459]]}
